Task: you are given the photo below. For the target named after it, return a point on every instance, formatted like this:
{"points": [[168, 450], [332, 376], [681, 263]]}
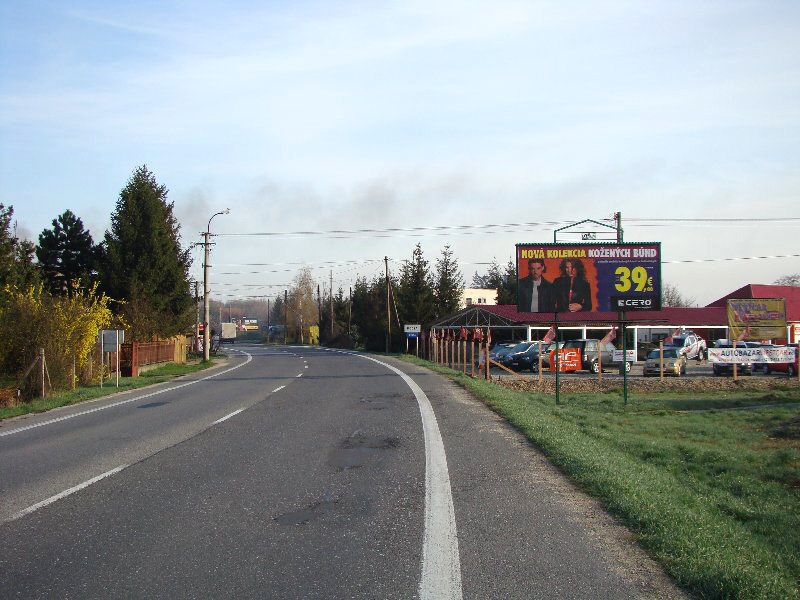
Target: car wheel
{"points": [[534, 368], [594, 367], [628, 367], [790, 370]]}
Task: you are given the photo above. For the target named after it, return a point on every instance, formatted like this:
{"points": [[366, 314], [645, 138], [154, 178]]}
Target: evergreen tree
{"points": [[449, 283], [415, 291], [144, 265], [508, 291], [494, 279], [17, 269], [369, 327], [504, 281], [480, 281], [66, 254]]}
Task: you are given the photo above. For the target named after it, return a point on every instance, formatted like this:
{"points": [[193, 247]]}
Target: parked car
{"points": [[691, 345], [757, 366], [727, 368], [674, 362], [549, 353], [592, 352], [788, 368], [519, 357], [499, 350]]}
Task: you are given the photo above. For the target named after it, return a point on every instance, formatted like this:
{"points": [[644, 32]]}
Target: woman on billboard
{"points": [[573, 293]]}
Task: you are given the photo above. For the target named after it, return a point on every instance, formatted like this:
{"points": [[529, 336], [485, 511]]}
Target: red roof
{"points": [[707, 316], [753, 290]]}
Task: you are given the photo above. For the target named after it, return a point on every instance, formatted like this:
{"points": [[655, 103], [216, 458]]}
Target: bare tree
{"points": [[301, 307], [793, 279], [672, 297]]}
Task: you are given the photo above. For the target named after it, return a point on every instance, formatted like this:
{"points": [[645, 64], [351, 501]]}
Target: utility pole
{"points": [[331, 303], [388, 306], [285, 315], [206, 317], [196, 318]]}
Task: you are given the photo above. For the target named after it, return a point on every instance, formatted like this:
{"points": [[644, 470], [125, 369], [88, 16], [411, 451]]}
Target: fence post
{"points": [[41, 358]]}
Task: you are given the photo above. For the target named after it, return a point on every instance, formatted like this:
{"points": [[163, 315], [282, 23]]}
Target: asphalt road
{"points": [[299, 473]]}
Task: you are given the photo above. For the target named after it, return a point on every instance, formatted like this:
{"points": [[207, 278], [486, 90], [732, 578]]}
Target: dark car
{"points": [[719, 368], [498, 352], [788, 368], [592, 352], [523, 356]]}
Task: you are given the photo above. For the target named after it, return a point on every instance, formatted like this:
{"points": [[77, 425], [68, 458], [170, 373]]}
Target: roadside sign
{"points": [[412, 329], [617, 356], [112, 337]]}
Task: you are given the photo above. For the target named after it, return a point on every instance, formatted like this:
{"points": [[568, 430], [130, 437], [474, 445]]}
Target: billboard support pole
{"points": [[624, 360], [556, 359]]}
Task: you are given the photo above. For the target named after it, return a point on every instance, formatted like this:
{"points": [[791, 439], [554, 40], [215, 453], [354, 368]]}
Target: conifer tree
{"points": [[415, 291], [449, 283], [144, 264], [66, 254], [17, 269]]}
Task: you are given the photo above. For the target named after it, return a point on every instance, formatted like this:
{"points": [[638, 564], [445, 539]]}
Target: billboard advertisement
{"points": [[589, 277], [757, 318]]}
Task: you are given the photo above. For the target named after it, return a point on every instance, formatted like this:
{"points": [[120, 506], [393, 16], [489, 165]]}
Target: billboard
{"points": [[757, 318], [589, 277]]}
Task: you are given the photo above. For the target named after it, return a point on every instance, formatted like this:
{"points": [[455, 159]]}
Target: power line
{"points": [[502, 227]]}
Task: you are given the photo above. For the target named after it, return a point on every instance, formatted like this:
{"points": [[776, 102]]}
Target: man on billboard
{"points": [[535, 292], [573, 293]]}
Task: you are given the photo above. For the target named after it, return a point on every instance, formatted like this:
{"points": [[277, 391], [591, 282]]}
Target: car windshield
{"points": [[668, 353], [678, 341], [521, 347]]}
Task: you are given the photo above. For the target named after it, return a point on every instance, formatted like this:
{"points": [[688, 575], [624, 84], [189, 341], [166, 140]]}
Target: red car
{"points": [[788, 368]]}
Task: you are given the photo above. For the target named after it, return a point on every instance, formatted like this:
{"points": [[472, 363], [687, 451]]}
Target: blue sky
{"points": [[319, 116]]}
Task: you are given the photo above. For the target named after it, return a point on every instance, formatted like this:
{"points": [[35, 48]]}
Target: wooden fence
{"points": [[137, 355]]}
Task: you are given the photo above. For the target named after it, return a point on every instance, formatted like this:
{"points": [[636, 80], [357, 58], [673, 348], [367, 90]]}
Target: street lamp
{"points": [[206, 243]]}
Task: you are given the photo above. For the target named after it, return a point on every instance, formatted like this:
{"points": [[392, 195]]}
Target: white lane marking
{"points": [[299, 375], [305, 367], [278, 389], [441, 565], [65, 493], [121, 402], [226, 417]]}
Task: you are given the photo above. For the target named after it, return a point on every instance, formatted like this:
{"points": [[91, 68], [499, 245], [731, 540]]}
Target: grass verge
{"points": [[91, 392], [709, 483]]}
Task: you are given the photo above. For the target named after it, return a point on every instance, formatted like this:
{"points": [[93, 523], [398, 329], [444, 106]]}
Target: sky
{"points": [[473, 124]]}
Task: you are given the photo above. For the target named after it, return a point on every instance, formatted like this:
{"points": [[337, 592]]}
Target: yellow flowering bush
{"points": [[65, 326]]}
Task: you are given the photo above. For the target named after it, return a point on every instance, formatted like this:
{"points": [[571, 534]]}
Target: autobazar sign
{"points": [[589, 277], [779, 354], [757, 318]]}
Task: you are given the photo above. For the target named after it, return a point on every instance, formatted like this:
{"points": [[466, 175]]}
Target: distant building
{"points": [[473, 296]]}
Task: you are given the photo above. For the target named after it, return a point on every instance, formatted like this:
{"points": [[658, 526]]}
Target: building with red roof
{"points": [[710, 322]]}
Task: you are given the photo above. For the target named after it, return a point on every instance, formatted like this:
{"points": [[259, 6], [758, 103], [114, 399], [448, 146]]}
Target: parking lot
{"points": [[693, 369]]}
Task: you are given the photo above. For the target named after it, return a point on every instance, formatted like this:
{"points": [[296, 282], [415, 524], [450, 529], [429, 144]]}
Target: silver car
{"points": [[674, 362]]}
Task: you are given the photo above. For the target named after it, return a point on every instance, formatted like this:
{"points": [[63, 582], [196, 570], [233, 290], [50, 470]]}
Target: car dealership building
{"points": [[506, 322]]}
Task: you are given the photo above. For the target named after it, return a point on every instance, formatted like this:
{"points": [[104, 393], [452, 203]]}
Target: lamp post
{"points": [[206, 318]]}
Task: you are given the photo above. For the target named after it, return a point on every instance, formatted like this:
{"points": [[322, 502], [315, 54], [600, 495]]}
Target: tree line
{"points": [[58, 293]]}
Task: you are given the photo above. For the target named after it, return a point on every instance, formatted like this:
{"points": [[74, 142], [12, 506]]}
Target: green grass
{"points": [[709, 483], [91, 392]]}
